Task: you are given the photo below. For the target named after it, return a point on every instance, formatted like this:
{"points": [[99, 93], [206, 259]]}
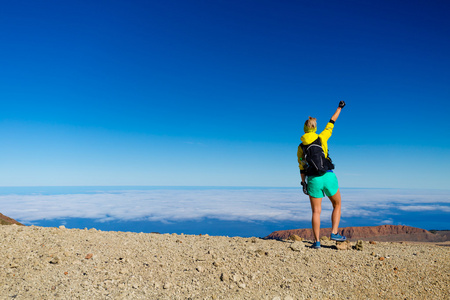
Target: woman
{"points": [[320, 180]]}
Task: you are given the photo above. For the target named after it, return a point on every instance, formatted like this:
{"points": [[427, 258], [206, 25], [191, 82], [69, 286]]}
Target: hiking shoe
{"points": [[316, 245], [337, 237]]}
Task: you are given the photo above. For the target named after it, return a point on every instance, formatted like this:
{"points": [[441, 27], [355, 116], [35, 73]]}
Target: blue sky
{"points": [[215, 93]]}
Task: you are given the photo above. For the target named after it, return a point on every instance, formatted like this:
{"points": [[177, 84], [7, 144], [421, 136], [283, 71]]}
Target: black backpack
{"points": [[317, 163]]}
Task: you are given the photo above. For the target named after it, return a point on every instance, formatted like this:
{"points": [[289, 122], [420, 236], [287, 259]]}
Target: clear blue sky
{"points": [[215, 93]]}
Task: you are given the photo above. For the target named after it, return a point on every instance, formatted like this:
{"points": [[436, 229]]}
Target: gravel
{"points": [[60, 263]]}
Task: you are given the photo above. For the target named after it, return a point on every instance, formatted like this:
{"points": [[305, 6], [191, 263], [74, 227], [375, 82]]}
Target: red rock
{"points": [[89, 256], [4, 220], [385, 233]]}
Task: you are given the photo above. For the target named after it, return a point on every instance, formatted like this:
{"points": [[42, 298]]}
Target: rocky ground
{"points": [[59, 263]]}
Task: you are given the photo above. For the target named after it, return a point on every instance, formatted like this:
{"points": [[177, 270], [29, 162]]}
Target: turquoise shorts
{"points": [[319, 186]]}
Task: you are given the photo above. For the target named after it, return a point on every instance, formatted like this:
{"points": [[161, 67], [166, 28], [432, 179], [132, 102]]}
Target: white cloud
{"points": [[425, 208], [387, 222], [158, 205], [238, 204]]}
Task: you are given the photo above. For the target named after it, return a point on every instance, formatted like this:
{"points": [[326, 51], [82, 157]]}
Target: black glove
{"points": [[305, 188], [342, 104]]}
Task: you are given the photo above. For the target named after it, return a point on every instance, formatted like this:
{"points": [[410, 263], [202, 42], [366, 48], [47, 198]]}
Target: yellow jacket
{"points": [[309, 137]]}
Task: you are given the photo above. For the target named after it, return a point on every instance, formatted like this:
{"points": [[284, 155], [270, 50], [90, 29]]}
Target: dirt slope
{"points": [[4, 220]]}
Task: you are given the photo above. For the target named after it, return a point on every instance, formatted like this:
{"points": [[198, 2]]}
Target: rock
{"points": [[241, 285], [201, 258], [236, 277], [4, 220], [379, 233], [55, 260], [261, 252], [295, 238], [324, 238], [224, 277], [89, 256], [343, 245], [359, 245], [167, 285], [372, 243], [200, 269], [62, 227], [297, 246]]}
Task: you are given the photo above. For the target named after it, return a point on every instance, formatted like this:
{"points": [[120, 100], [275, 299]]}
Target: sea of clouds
{"points": [[373, 206]]}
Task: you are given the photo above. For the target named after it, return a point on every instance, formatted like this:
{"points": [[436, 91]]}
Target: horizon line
{"points": [[211, 186]]}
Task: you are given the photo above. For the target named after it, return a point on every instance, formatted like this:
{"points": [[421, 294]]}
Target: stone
{"points": [[89, 256], [200, 269], [236, 278], [260, 252], [167, 285], [295, 238], [201, 258], [55, 260], [297, 246], [224, 277], [343, 245], [359, 245]]}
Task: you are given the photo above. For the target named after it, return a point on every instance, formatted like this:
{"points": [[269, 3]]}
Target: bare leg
{"points": [[336, 215], [316, 206]]}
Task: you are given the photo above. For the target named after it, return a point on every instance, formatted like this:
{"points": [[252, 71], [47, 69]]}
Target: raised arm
{"points": [[338, 111]]}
